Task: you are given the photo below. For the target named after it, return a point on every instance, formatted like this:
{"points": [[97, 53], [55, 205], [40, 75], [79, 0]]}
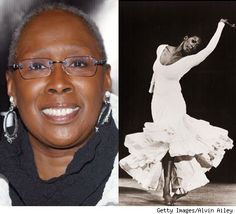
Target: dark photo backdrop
{"points": [[209, 89]]}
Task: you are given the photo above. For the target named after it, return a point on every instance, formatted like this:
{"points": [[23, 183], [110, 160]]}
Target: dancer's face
{"points": [[58, 110], [190, 44]]}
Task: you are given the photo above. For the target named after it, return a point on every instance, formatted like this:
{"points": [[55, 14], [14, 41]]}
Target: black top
{"points": [[83, 182]]}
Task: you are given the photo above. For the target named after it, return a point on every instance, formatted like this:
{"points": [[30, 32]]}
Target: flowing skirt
{"points": [[186, 137]]}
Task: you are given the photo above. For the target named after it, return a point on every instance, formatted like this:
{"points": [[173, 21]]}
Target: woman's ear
{"points": [[11, 86], [186, 38], [107, 78]]}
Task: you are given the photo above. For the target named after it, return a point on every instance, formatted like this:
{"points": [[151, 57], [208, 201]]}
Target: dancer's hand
{"points": [[224, 20], [227, 22]]}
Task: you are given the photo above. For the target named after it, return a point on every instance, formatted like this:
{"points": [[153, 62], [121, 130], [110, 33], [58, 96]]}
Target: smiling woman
{"points": [[59, 82]]}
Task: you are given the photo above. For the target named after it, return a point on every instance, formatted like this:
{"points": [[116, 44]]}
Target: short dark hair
{"points": [[52, 6]]}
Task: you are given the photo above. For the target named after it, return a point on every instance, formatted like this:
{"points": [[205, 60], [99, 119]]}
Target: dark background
{"points": [[209, 89], [11, 13]]}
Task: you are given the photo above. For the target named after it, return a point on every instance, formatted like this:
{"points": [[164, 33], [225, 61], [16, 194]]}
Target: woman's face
{"points": [[59, 110], [191, 44]]}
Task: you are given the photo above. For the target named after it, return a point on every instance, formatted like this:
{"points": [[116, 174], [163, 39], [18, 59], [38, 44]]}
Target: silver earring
{"points": [[10, 124], [105, 112], [107, 97]]}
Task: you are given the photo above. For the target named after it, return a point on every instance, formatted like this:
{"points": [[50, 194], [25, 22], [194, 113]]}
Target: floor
{"points": [[131, 194]]}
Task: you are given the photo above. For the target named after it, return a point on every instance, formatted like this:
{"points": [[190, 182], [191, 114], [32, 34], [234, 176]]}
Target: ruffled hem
{"points": [[190, 137], [204, 143], [149, 175], [186, 175]]}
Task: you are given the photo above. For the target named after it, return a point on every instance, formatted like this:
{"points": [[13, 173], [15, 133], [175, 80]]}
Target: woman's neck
{"points": [[51, 162], [178, 51]]}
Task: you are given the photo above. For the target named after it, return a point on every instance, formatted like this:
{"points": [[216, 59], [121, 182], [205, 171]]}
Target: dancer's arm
{"points": [[151, 87], [196, 59]]}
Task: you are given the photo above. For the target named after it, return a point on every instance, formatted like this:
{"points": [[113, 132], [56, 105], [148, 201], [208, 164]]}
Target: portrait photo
{"points": [[59, 103]]}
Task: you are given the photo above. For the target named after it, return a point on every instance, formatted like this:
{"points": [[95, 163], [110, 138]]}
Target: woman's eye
{"points": [[78, 64], [36, 66]]}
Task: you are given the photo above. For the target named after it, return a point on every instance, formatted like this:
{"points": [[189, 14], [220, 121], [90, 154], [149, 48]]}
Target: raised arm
{"points": [[196, 59]]}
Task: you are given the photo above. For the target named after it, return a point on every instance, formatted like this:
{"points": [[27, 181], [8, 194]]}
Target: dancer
{"points": [[176, 150]]}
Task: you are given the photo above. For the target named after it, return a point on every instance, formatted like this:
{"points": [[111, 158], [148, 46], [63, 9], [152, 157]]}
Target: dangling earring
{"points": [[10, 120], [107, 97], [105, 112]]}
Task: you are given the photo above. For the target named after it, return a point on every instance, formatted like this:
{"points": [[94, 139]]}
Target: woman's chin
{"points": [[64, 143]]}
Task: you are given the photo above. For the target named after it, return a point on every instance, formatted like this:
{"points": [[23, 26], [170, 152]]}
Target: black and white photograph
{"points": [[177, 103]]}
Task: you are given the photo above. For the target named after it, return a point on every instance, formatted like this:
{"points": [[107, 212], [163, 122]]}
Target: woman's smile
{"points": [[61, 114]]}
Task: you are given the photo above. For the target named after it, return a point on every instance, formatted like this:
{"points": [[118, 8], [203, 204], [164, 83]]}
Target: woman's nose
{"points": [[59, 81], [193, 45]]}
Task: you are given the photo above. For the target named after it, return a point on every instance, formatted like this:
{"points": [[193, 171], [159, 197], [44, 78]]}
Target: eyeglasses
{"points": [[82, 66]]}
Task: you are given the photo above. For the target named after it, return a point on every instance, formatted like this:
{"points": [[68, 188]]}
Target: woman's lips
{"points": [[61, 115]]}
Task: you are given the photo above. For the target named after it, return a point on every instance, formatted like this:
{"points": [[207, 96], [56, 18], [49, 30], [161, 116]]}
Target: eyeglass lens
{"points": [[75, 66]]}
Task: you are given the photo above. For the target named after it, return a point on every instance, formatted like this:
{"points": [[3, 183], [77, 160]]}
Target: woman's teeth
{"points": [[59, 112]]}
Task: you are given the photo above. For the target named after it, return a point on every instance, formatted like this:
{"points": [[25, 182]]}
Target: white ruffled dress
{"points": [[174, 131]]}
